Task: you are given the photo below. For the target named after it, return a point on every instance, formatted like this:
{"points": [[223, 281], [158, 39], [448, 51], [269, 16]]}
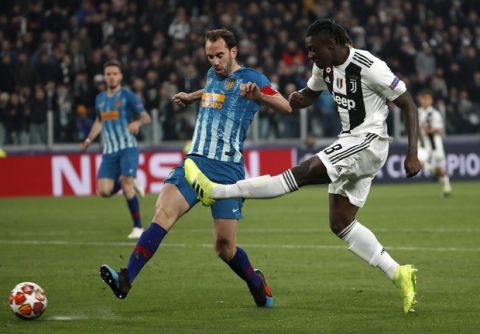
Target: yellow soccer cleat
{"points": [[406, 279], [199, 182]]}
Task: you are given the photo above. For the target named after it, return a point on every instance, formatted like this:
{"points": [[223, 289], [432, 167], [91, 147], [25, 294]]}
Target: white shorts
{"points": [[352, 162], [432, 153]]}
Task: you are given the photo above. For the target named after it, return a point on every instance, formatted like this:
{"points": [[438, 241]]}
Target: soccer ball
{"points": [[27, 300]]}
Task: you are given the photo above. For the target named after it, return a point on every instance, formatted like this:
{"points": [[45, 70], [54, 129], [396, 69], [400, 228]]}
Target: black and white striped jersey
{"points": [[360, 87], [430, 118]]}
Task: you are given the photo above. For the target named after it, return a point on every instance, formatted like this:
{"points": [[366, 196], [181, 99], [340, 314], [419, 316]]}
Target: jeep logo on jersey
{"points": [[343, 102]]}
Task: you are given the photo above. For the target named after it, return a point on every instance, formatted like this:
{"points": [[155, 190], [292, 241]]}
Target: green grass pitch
{"points": [[318, 285]]}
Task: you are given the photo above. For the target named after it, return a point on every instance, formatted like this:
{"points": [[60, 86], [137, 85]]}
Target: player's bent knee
{"points": [[105, 193], [334, 227], [224, 249], [339, 221]]}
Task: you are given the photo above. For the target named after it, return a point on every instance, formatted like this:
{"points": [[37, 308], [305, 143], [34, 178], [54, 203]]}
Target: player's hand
{"points": [[412, 165], [296, 100], [85, 144], [134, 127], [182, 99], [250, 91]]}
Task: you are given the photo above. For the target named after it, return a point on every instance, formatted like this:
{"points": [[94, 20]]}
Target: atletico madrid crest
{"points": [[229, 84]]}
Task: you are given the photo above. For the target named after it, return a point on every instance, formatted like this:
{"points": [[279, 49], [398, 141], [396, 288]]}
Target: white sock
{"points": [[364, 243], [264, 186], [445, 181]]}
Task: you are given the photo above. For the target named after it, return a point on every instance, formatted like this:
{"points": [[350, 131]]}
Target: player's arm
{"points": [[144, 118], [409, 109], [94, 131], [183, 99], [266, 95], [303, 98], [308, 95]]}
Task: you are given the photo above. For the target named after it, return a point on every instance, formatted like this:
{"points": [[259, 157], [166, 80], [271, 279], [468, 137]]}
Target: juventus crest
{"points": [[353, 85]]}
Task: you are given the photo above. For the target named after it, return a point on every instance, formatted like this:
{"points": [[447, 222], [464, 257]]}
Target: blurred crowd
{"points": [[52, 52]]}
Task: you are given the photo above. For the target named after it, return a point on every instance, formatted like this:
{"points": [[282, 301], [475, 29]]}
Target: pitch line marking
{"points": [[66, 318], [279, 230], [188, 245]]}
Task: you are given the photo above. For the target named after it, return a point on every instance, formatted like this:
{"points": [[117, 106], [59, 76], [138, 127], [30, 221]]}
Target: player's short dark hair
{"points": [[113, 62], [424, 92], [330, 28], [228, 36]]}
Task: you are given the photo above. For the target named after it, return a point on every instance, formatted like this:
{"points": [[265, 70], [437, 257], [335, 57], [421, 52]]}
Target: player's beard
{"points": [[113, 87], [229, 66]]}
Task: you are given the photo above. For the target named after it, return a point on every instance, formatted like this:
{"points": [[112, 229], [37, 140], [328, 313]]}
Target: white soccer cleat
{"points": [[136, 233], [138, 188]]}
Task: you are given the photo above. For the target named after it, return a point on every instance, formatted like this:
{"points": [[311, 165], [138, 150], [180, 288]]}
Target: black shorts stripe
{"points": [[367, 138], [353, 150]]}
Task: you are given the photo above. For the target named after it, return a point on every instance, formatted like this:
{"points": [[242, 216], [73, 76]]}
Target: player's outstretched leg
{"points": [[117, 281], [264, 186], [202, 185], [405, 278]]}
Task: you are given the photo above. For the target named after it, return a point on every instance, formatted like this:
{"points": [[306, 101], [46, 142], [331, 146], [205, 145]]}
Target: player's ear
{"points": [[234, 52]]}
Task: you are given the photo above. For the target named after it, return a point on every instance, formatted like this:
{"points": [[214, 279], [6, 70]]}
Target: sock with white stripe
{"points": [[363, 243], [264, 186]]}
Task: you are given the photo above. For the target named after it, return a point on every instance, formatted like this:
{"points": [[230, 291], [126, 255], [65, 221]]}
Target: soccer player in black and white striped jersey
{"points": [[360, 84], [432, 129]]}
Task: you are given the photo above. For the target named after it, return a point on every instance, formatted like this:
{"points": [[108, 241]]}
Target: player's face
{"points": [[113, 76], [320, 50], [426, 100], [220, 57]]}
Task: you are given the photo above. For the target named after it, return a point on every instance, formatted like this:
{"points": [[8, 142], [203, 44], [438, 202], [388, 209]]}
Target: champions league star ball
{"points": [[27, 300]]}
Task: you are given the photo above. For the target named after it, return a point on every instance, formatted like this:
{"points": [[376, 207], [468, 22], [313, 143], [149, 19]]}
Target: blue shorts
{"points": [[123, 162], [219, 172]]}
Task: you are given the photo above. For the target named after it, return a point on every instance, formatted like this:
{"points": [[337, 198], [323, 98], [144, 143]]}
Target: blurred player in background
{"points": [[228, 103], [120, 114], [360, 83], [431, 152]]}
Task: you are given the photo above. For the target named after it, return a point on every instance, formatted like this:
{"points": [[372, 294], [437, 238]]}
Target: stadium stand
{"points": [[51, 56]]}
